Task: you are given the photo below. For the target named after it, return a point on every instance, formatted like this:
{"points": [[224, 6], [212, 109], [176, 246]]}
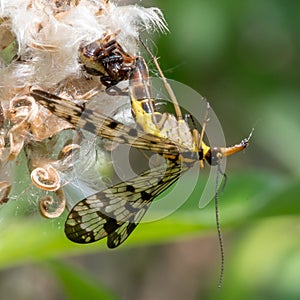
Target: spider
{"points": [[106, 58]]}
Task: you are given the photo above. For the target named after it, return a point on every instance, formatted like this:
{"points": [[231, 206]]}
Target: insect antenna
{"points": [[225, 180], [219, 172], [220, 237]]}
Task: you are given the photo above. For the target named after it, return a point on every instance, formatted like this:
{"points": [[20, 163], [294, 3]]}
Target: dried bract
{"points": [[43, 44]]}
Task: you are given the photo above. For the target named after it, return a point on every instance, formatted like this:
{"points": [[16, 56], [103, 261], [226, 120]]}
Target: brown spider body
{"points": [[106, 58]]}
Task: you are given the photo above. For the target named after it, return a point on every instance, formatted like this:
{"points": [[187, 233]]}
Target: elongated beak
{"points": [[227, 151]]}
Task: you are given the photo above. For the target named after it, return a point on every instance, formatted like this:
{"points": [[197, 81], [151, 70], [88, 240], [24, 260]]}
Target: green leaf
{"points": [[265, 262], [77, 284], [247, 197]]}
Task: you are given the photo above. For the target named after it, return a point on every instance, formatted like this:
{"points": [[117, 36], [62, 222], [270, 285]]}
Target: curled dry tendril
{"points": [[67, 150], [46, 178], [49, 208], [5, 188], [23, 111]]}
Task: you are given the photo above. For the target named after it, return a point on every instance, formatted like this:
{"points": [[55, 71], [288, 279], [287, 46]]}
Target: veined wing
{"points": [[105, 126], [116, 211]]}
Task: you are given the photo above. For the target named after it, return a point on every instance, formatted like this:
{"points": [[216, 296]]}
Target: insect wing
{"points": [[116, 211], [105, 126]]}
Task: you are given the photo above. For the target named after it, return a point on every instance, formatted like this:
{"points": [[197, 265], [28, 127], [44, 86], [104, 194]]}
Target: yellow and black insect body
{"points": [[106, 58], [142, 104], [116, 211], [166, 125]]}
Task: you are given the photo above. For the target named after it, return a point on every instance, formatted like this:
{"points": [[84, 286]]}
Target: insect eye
{"points": [[213, 156]]}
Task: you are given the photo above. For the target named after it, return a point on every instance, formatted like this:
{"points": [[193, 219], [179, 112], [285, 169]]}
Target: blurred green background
{"points": [[243, 56]]}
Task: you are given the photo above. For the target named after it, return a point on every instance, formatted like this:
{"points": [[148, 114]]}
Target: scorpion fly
{"points": [[116, 211], [106, 58]]}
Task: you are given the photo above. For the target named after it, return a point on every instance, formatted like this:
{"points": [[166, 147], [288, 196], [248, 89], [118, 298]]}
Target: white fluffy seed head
{"points": [[49, 36]]}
